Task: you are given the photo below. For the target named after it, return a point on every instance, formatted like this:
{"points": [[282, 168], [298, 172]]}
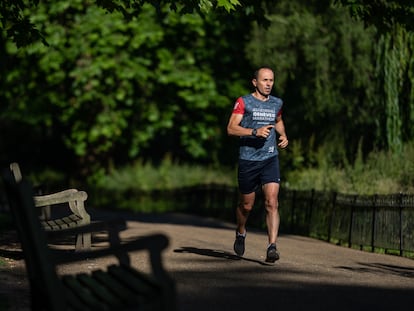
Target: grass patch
{"points": [[147, 177], [144, 187], [377, 173]]}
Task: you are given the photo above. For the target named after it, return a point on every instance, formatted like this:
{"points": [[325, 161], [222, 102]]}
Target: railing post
{"points": [[351, 222], [334, 194], [374, 215], [310, 210], [292, 212], [400, 199]]}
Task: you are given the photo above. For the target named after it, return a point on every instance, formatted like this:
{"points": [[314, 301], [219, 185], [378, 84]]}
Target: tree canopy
{"points": [[383, 14], [15, 15], [112, 87]]}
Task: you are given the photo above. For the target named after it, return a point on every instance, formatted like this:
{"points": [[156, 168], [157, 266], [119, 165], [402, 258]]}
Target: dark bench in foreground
{"points": [[117, 287]]}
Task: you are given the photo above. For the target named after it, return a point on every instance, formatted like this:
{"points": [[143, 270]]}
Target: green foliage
{"points": [[337, 79], [168, 186], [323, 68], [394, 63], [113, 90], [128, 80], [142, 176], [395, 59], [228, 5], [384, 14], [379, 173], [17, 25], [15, 16]]}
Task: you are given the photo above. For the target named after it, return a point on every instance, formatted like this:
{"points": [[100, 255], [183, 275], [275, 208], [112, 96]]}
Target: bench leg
{"points": [[87, 237], [83, 242]]}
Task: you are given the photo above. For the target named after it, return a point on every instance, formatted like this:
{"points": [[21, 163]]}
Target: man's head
{"points": [[263, 80]]}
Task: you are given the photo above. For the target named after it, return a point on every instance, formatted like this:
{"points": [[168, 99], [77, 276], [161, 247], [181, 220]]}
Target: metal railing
{"points": [[369, 222]]}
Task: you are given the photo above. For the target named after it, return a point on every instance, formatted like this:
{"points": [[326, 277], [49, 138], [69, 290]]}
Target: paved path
{"points": [[311, 274]]}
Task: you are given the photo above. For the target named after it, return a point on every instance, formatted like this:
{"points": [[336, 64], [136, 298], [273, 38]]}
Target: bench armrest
{"points": [[73, 197], [60, 197]]}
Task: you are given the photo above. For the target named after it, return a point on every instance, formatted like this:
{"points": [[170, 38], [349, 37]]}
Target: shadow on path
{"points": [[217, 254], [381, 268]]}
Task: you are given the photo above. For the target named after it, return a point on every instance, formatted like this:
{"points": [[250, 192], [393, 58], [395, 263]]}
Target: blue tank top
{"points": [[256, 114]]}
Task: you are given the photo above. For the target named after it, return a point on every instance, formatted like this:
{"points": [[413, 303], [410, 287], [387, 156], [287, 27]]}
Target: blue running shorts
{"points": [[252, 174]]}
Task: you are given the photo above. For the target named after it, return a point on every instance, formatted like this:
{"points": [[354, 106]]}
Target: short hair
{"points": [[256, 73]]}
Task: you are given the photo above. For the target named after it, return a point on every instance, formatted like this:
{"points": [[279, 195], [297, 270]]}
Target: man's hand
{"points": [[283, 141], [264, 131]]}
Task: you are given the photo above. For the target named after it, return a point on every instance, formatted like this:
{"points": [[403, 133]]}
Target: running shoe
{"points": [[239, 244], [272, 253]]}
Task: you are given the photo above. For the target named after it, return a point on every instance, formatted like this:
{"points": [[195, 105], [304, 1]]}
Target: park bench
{"points": [[119, 286], [62, 210]]}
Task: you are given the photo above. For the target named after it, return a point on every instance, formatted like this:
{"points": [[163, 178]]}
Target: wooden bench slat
{"points": [[101, 291], [123, 292], [84, 294], [74, 301], [102, 288], [62, 223], [141, 283], [73, 219], [51, 225]]}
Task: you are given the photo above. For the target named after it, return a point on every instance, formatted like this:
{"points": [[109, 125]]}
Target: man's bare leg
{"points": [[271, 192], [243, 210], [242, 213]]}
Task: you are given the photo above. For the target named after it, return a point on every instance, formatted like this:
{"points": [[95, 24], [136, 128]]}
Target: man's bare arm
{"points": [[280, 129]]}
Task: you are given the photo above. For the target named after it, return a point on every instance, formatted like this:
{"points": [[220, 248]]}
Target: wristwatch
{"points": [[254, 132]]}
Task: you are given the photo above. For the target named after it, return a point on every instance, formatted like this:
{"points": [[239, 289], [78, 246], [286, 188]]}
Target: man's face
{"points": [[264, 81]]}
